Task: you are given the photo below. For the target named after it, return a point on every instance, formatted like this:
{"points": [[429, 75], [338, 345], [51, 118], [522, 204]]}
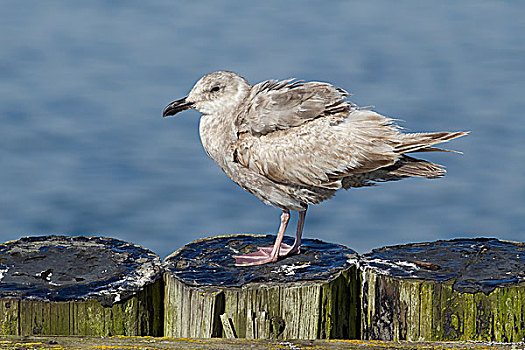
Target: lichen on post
{"points": [[307, 296], [463, 289], [58, 285]]}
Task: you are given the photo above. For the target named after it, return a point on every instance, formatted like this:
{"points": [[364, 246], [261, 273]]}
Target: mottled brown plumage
{"points": [[292, 144]]}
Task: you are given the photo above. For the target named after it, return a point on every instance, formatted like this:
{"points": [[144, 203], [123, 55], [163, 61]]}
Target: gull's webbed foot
{"points": [[260, 257]]}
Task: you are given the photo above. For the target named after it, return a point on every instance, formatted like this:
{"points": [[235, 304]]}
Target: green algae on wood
{"points": [[466, 289], [164, 343], [79, 286], [307, 296]]}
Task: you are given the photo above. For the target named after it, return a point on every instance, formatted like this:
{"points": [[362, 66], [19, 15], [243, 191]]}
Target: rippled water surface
{"points": [[84, 150]]}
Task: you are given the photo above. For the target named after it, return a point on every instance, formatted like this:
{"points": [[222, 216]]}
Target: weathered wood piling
{"points": [[464, 289], [457, 290], [308, 296], [57, 285]]}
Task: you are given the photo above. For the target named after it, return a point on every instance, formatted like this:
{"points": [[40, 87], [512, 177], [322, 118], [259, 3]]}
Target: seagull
{"points": [[294, 143]]}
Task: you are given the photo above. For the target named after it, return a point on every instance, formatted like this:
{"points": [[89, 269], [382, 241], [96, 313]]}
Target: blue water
{"points": [[84, 150]]}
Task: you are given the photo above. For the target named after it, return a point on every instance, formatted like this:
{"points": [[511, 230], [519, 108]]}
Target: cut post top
{"points": [[209, 262]]}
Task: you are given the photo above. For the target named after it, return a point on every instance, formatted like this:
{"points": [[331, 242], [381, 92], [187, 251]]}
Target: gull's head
{"points": [[214, 93]]}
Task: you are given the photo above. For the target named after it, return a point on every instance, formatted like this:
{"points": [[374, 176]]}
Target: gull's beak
{"points": [[176, 107]]}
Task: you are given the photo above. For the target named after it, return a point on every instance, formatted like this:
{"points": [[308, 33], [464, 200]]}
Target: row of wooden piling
{"points": [[377, 296]]}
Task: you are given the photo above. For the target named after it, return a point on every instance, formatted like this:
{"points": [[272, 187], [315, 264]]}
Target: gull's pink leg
{"points": [[264, 255], [286, 249], [296, 247]]}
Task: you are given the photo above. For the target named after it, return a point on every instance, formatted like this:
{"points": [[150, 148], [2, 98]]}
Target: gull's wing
{"points": [[306, 134], [278, 105], [323, 151]]}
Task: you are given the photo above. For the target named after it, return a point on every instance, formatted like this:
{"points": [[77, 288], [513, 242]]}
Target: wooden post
{"points": [[307, 296], [56, 285], [464, 289]]}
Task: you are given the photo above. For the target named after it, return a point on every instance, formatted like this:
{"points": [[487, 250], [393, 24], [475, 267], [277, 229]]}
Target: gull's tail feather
{"points": [[438, 149], [422, 142], [409, 166], [405, 167]]}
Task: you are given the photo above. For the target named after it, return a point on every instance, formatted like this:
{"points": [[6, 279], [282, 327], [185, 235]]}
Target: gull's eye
{"points": [[215, 89]]}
